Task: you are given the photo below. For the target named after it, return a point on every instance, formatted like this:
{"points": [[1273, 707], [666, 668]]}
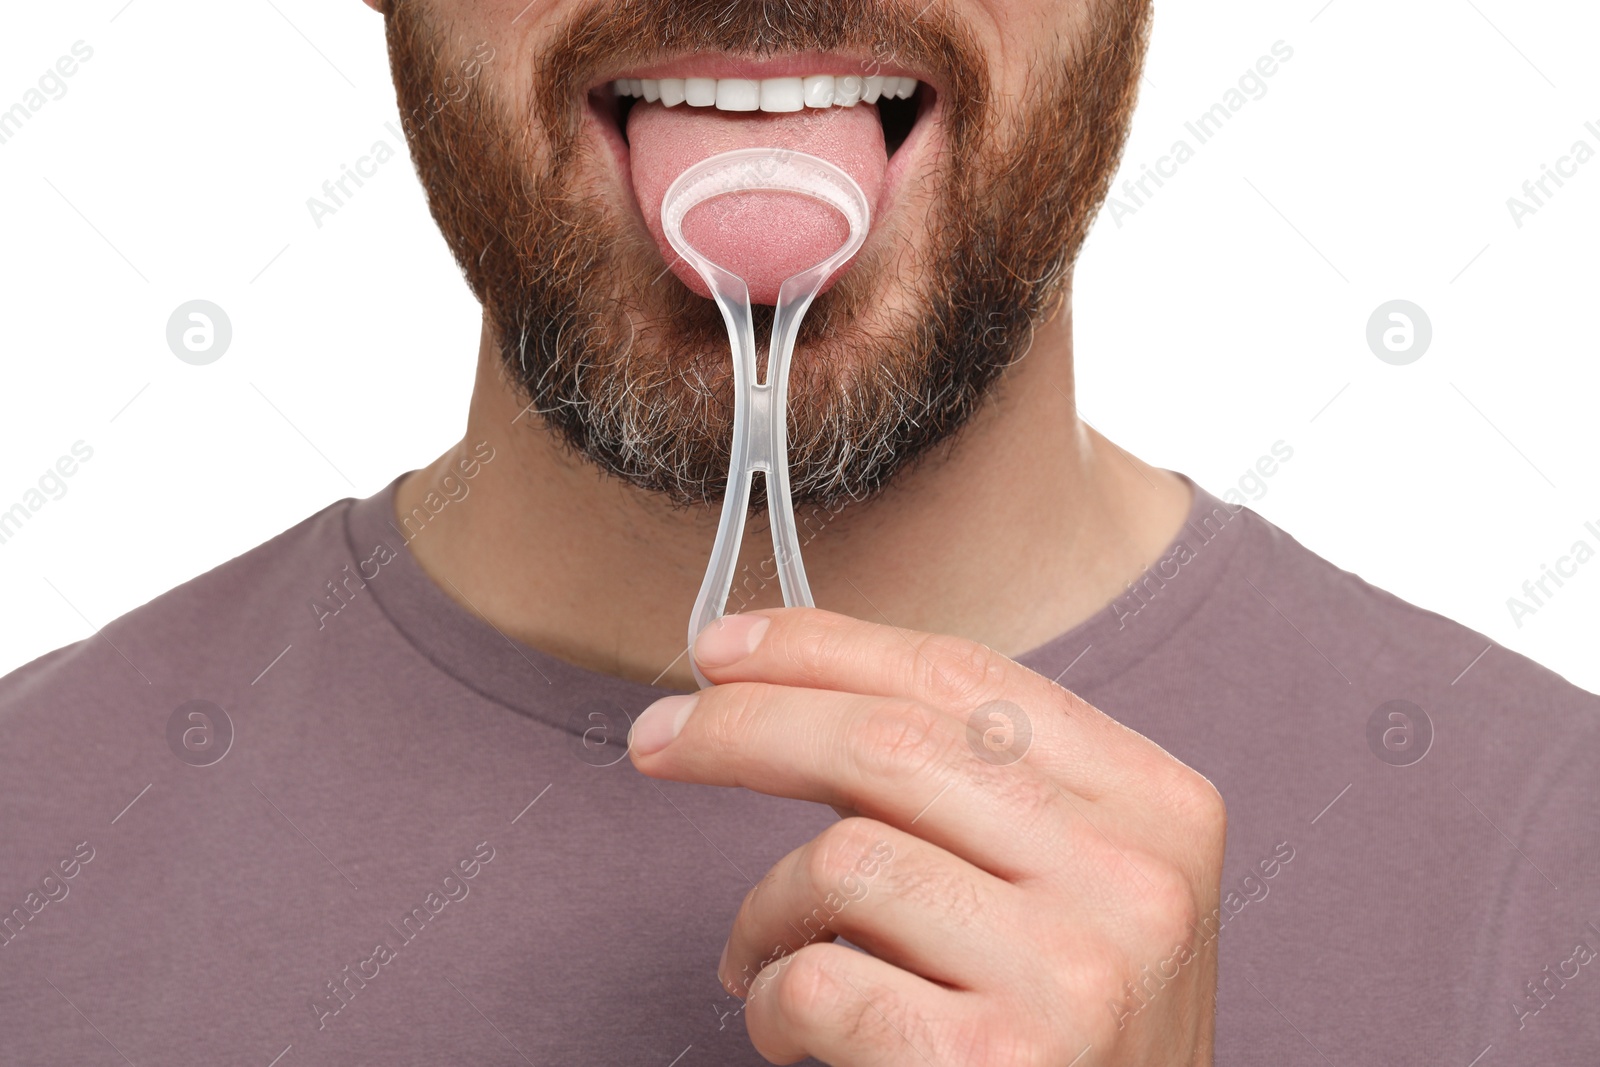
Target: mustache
{"points": [[603, 37]]}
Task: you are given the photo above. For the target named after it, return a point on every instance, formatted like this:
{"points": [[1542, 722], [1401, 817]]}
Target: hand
{"points": [[1021, 899]]}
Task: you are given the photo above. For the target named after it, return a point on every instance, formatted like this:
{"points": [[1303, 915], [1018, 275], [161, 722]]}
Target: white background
{"points": [[1225, 314]]}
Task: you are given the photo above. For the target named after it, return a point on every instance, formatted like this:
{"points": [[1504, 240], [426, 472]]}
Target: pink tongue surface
{"points": [[762, 237]]}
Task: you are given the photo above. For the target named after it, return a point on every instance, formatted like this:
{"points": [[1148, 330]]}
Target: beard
{"points": [[630, 369]]}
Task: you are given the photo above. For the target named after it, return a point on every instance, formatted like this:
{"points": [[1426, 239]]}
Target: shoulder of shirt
{"points": [[1387, 644], [174, 635]]}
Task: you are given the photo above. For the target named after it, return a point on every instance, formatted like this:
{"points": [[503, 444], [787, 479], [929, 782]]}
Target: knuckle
{"points": [[940, 890], [1213, 810], [995, 1039], [840, 852], [809, 990], [735, 708], [755, 896], [901, 739], [1028, 798], [849, 858], [809, 641], [816, 993], [957, 671], [1197, 804], [1168, 911], [1096, 970]]}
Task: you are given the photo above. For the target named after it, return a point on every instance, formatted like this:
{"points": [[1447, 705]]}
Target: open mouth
{"points": [[660, 120], [895, 97]]}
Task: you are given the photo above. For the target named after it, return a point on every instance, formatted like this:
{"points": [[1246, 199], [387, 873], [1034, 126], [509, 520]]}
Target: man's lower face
{"points": [[546, 182]]}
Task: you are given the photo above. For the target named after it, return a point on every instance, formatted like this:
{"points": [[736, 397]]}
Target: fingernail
{"points": [[729, 639], [660, 723], [722, 963]]}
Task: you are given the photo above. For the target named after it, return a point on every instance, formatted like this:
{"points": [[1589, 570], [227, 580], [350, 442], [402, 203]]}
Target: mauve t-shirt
{"points": [[304, 809]]}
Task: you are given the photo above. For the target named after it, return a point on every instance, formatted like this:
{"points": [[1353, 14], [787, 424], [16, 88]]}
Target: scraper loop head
{"points": [[760, 410], [763, 170]]}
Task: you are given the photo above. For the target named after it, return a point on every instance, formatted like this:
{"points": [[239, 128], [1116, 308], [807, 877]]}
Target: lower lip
{"points": [[920, 140]]}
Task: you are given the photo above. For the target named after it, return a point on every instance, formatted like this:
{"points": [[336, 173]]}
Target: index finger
{"points": [[1051, 727]]}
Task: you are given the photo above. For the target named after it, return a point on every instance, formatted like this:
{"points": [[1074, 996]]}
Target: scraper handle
{"points": [[760, 412]]}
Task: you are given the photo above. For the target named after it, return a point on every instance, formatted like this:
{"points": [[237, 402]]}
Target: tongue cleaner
{"points": [[760, 410]]}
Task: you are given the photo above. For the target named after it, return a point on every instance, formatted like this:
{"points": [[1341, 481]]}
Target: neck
{"points": [[1024, 525]]}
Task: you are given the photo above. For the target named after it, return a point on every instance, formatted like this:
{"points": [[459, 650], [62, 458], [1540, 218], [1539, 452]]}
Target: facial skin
{"points": [[1002, 920]]}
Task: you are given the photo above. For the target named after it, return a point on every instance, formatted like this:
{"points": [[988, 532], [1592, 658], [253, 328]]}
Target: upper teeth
{"points": [[769, 94]]}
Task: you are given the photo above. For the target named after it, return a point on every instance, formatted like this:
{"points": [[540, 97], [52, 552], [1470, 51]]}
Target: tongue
{"points": [[764, 237]]}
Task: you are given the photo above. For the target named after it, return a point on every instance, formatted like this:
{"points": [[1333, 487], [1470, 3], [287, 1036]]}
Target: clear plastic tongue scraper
{"points": [[760, 410]]}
